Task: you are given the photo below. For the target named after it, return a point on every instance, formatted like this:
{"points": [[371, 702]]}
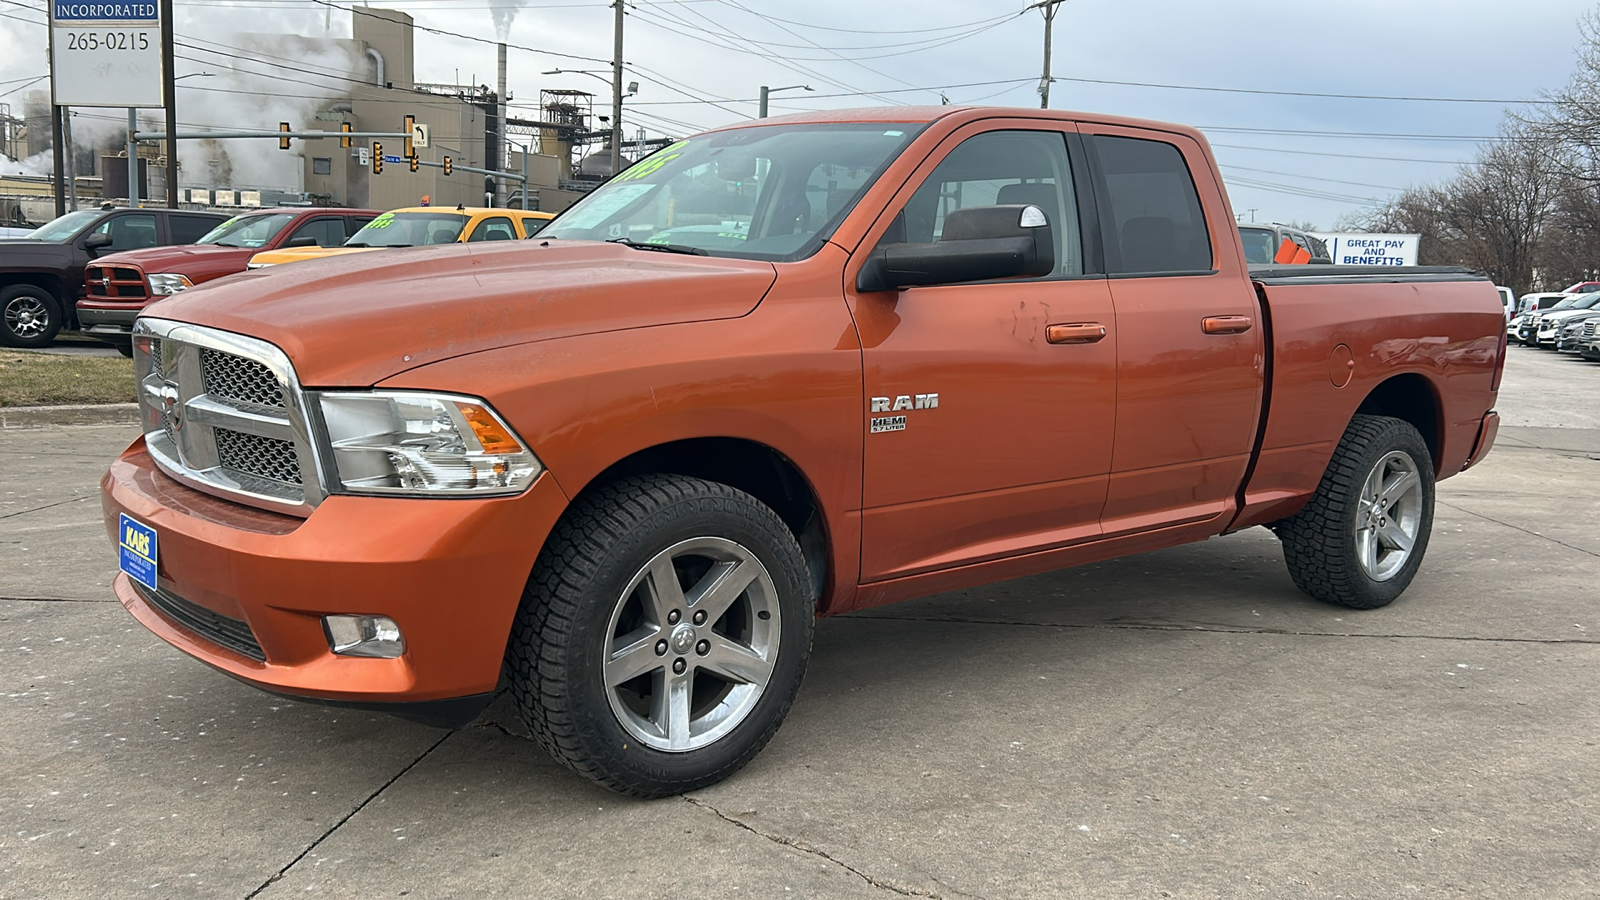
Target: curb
{"points": [[47, 416]]}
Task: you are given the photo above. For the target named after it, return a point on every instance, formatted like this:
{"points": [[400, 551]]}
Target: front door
{"points": [[989, 407]]}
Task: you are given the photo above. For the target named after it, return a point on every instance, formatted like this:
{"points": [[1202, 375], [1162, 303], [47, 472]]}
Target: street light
{"points": [[616, 104], [766, 91]]}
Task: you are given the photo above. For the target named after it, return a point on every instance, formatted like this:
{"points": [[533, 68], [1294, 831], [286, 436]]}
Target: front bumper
{"points": [[449, 572], [108, 323]]}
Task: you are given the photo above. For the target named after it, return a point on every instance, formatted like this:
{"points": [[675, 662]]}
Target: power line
{"points": [[1442, 162], [1381, 187], [863, 31], [1227, 90]]}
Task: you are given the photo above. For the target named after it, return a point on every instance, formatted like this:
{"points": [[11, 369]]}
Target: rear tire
{"points": [[1361, 539], [662, 635], [29, 316]]}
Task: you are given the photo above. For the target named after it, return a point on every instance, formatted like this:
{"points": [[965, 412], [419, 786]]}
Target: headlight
{"points": [[162, 285], [403, 442], [256, 265]]}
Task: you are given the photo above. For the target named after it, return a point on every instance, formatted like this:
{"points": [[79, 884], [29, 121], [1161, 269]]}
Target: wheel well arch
{"points": [[753, 467], [49, 283], [1412, 398]]}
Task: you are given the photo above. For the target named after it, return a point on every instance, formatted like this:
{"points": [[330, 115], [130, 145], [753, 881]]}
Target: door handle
{"points": [[1225, 324], [1076, 333]]}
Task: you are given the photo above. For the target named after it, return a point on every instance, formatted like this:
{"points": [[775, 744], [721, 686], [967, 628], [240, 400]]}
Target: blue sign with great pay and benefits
{"points": [[136, 550], [105, 12]]}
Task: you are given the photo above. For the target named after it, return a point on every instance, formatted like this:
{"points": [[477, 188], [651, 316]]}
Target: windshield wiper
{"points": [[664, 248]]}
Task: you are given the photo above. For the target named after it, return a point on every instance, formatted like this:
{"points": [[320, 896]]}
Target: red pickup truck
{"points": [[789, 368], [117, 286]]}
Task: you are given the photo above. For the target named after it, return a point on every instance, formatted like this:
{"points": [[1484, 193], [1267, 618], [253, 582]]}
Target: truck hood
{"points": [[22, 251], [197, 262], [352, 321]]}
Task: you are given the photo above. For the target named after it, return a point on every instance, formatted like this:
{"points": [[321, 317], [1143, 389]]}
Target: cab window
{"points": [[1155, 223], [129, 232], [495, 228], [998, 168], [327, 231]]}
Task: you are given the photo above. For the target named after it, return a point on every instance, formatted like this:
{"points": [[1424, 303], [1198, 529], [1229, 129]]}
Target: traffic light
{"points": [[449, 165], [283, 142], [411, 129], [377, 158], [415, 163], [345, 142]]}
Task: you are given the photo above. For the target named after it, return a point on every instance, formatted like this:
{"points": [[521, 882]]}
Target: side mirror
{"points": [[977, 244], [99, 241], [303, 242]]}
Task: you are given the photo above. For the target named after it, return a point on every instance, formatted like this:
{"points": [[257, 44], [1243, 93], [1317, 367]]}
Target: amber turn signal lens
{"points": [[490, 434]]}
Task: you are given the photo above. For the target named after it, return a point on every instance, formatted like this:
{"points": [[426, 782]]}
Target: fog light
{"points": [[376, 636]]}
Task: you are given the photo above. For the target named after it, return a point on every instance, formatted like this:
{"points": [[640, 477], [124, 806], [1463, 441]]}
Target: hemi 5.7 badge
{"points": [[881, 424]]}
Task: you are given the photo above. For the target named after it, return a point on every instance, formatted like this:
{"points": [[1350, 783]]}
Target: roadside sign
{"points": [[106, 53], [419, 135], [1371, 249], [392, 159]]}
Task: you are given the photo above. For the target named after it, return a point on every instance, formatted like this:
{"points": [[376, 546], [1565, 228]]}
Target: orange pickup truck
{"points": [[789, 368]]}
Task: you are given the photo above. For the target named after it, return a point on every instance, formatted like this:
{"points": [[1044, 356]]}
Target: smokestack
{"points": [[499, 151]]}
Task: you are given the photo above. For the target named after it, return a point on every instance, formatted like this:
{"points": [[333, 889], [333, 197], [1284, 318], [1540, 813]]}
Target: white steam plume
{"points": [[504, 12]]}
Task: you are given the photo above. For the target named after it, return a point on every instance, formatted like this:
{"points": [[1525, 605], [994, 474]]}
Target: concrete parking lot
{"points": [[1178, 724]]}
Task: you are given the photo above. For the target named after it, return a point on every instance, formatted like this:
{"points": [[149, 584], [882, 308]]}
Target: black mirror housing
{"points": [[98, 241], [302, 242], [977, 244]]}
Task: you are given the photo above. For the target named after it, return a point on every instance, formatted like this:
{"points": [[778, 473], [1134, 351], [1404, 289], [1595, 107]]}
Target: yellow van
{"points": [[419, 225]]}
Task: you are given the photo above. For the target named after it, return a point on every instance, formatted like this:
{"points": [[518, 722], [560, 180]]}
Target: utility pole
{"points": [[1049, 7], [57, 151], [616, 97], [169, 91]]}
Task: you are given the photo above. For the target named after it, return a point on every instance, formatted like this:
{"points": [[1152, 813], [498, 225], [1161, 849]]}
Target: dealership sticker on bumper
{"points": [[136, 543]]}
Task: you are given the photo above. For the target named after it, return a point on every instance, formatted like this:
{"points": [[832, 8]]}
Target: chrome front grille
{"points": [[223, 413], [262, 457], [240, 380]]}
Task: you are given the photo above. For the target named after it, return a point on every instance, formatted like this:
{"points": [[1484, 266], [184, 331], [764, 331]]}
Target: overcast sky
{"points": [[1468, 49]]}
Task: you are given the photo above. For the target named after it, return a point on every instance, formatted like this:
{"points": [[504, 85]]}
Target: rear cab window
{"points": [[1151, 213]]}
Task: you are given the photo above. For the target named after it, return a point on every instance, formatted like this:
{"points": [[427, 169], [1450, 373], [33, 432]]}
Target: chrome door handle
{"points": [[1225, 324], [1076, 333]]}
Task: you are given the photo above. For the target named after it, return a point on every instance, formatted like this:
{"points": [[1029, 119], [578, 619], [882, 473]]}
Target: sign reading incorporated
{"points": [[106, 53], [1372, 249]]}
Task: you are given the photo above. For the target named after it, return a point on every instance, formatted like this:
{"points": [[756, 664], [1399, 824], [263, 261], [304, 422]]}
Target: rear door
{"points": [[989, 405], [1190, 357]]}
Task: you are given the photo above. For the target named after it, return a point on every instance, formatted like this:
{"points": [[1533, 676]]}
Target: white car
{"points": [[1545, 327]]}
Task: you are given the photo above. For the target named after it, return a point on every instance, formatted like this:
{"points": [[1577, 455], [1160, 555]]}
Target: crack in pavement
{"points": [[1518, 528], [47, 506], [1220, 629], [347, 817], [54, 600], [813, 851]]}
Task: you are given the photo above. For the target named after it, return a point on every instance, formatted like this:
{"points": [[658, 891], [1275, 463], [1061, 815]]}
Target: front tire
{"points": [[1361, 539], [29, 316], [663, 634]]}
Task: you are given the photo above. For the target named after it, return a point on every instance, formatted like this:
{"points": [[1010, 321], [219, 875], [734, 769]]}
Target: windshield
{"points": [[1258, 245], [769, 192], [410, 229], [1586, 301], [247, 231], [64, 229], [1564, 303]]}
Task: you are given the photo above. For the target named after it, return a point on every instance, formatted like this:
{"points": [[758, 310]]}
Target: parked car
{"points": [[1570, 332], [1531, 305], [1545, 325], [1582, 287], [1589, 348], [41, 275], [1265, 245], [118, 286], [1508, 299], [418, 226], [623, 478]]}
